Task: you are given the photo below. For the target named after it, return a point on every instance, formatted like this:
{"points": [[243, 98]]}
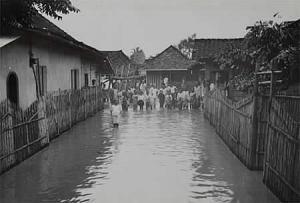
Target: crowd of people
{"points": [[168, 97]]}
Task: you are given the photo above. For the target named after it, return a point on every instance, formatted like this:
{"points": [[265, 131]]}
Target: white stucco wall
{"points": [[14, 57], [58, 58]]}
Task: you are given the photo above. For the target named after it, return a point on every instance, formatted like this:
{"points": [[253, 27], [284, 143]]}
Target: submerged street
{"points": [[158, 156]]}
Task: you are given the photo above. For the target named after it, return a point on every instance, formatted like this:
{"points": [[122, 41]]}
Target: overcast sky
{"points": [[153, 25]]}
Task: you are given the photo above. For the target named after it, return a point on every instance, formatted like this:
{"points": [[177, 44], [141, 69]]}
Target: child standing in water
{"points": [[148, 101], [135, 101], [161, 98], [141, 102], [115, 111]]}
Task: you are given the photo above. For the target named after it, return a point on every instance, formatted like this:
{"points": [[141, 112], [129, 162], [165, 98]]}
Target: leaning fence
{"points": [[24, 132], [234, 124], [264, 135]]}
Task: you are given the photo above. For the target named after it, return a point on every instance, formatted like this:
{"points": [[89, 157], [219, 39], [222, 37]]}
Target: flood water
{"points": [[159, 156]]}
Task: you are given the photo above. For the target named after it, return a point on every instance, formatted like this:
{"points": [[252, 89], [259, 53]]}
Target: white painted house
{"points": [[60, 62]]}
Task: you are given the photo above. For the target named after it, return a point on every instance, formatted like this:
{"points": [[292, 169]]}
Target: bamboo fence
{"points": [[282, 159], [24, 132], [21, 133], [263, 134], [233, 122], [66, 108]]}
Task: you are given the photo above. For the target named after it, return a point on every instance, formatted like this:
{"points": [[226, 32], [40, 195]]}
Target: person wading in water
{"points": [[161, 98], [115, 111]]}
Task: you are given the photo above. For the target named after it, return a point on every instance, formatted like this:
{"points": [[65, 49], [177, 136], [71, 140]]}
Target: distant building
{"points": [[204, 54], [60, 62], [120, 63], [171, 64]]}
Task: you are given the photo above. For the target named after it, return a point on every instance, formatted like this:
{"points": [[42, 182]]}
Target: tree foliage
{"points": [[273, 43], [186, 46], [19, 12], [235, 57], [137, 56], [268, 44]]}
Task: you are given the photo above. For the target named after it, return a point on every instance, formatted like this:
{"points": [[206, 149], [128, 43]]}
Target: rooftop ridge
{"points": [[224, 39]]}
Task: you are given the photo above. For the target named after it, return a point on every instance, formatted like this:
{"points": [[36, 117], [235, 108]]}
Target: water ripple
{"points": [[158, 156]]}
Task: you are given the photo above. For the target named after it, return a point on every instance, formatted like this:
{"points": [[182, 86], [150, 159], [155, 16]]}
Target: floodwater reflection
{"points": [[158, 156]]}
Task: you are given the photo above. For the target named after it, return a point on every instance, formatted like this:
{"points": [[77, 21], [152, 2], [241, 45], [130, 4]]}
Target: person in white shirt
{"points": [[151, 89], [154, 97], [143, 87], [188, 97], [203, 91], [211, 86], [180, 100], [115, 111], [115, 95], [197, 90], [173, 88], [166, 81]]}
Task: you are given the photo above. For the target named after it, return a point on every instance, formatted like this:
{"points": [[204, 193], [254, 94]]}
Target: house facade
{"points": [[45, 55], [171, 64]]}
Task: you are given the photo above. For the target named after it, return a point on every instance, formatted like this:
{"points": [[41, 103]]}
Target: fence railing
{"points": [[234, 124], [24, 132], [263, 135], [282, 159], [65, 108]]}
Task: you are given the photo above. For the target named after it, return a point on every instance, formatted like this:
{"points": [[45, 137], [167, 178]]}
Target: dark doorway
{"points": [[12, 90], [86, 80]]}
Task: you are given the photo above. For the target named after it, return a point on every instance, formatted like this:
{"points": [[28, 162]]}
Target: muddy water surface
{"points": [[158, 156]]}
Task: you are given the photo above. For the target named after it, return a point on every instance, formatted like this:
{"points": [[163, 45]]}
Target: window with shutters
{"points": [[42, 77], [75, 79]]}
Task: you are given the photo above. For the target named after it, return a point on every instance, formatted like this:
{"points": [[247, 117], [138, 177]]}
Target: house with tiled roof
{"points": [[45, 55], [171, 64], [204, 53]]}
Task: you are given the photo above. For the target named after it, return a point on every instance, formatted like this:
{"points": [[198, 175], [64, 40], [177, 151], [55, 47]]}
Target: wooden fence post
{"points": [[43, 122], [59, 113], [10, 144], [96, 98], [27, 138], [70, 108], [253, 150], [267, 145], [84, 103]]}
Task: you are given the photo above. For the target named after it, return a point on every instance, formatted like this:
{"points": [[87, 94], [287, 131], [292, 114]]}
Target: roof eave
{"points": [[182, 69]]}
